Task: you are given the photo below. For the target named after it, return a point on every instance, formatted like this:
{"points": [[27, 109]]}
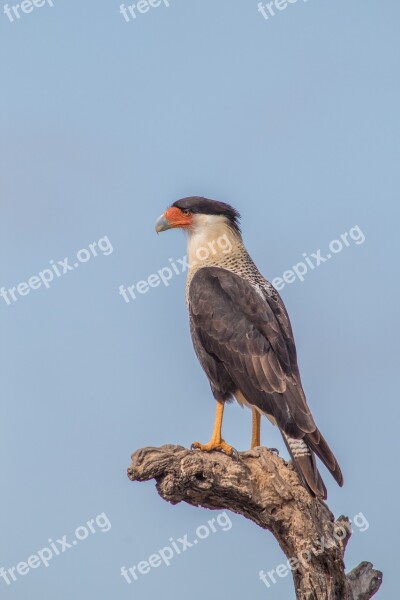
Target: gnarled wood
{"points": [[264, 488]]}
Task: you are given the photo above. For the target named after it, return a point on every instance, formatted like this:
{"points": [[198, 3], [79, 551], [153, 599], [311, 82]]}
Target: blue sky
{"points": [[293, 120]]}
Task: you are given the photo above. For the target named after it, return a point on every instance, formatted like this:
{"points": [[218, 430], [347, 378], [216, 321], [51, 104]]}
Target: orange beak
{"points": [[173, 218]]}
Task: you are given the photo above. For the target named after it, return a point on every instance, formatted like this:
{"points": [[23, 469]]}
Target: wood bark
{"points": [[265, 489]]}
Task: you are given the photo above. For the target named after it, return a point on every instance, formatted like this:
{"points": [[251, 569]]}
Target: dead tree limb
{"points": [[264, 488]]}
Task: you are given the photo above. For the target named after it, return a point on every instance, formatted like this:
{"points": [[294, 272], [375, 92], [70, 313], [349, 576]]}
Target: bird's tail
{"points": [[302, 452]]}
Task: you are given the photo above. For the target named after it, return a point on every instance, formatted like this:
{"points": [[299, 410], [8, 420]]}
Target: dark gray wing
{"points": [[246, 335], [250, 334]]}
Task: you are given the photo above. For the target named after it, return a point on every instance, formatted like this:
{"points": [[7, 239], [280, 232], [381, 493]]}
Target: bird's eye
{"points": [[187, 212]]}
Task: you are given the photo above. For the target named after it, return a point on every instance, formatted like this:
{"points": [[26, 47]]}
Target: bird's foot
{"points": [[217, 445]]}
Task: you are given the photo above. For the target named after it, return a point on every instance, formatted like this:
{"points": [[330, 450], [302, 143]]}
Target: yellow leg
{"points": [[216, 442], [256, 428]]}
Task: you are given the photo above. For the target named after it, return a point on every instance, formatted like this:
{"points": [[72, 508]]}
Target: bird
{"points": [[243, 338]]}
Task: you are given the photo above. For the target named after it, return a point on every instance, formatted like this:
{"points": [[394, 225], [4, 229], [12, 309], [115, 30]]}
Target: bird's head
{"points": [[196, 215]]}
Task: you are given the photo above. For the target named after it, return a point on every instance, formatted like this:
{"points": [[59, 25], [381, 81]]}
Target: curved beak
{"points": [[162, 224]]}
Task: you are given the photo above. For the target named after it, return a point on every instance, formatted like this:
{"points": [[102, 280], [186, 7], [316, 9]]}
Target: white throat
{"points": [[211, 240]]}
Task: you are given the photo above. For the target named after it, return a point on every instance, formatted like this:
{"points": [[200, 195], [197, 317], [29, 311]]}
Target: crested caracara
{"points": [[242, 336]]}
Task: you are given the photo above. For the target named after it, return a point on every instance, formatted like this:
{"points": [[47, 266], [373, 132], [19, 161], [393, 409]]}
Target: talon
{"points": [[274, 451], [235, 454]]}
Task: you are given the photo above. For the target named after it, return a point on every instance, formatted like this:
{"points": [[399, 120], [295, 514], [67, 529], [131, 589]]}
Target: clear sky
{"points": [[106, 121]]}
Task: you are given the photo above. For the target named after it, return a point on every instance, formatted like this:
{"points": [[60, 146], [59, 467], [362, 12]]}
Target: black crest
{"points": [[199, 205]]}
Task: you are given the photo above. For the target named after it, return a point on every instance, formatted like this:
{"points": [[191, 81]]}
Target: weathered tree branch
{"points": [[264, 488]]}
